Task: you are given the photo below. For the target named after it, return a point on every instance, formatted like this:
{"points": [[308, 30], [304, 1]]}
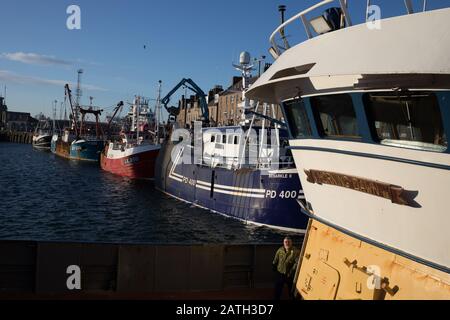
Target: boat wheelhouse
{"points": [[368, 108]]}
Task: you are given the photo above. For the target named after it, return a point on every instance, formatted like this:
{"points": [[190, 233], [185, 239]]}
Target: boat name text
{"points": [[396, 194]]}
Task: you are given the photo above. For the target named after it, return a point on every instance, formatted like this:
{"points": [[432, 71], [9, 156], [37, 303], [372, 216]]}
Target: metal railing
{"points": [[277, 50]]}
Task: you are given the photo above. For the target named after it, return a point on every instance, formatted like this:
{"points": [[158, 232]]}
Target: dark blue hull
{"points": [[249, 195]]}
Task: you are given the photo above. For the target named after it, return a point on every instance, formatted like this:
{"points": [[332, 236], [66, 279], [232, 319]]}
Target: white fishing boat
{"points": [[42, 136], [368, 107]]}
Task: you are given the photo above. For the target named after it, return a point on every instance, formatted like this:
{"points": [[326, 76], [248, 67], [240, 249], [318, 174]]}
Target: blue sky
{"points": [[197, 39]]}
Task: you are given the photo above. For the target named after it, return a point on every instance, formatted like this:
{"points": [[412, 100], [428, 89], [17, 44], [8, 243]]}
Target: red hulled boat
{"points": [[132, 160], [134, 154]]}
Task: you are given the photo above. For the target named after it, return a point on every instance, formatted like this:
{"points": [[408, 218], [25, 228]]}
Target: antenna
{"points": [[282, 10]]}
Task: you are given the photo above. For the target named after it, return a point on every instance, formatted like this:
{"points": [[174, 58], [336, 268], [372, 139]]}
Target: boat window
{"points": [[297, 119], [406, 119], [236, 139], [213, 138], [230, 139], [335, 115]]}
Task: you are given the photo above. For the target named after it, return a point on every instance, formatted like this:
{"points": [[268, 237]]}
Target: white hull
{"points": [[39, 142], [420, 232]]}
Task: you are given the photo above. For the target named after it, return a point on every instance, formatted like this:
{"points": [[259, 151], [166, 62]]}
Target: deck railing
{"points": [[276, 50]]}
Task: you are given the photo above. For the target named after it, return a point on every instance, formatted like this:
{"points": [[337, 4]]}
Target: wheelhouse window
{"points": [[407, 119], [335, 116], [297, 119]]}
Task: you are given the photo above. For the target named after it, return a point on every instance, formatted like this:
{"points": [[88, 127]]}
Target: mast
{"points": [[158, 111], [54, 116], [263, 137], [245, 67], [78, 94], [138, 112], [69, 95]]}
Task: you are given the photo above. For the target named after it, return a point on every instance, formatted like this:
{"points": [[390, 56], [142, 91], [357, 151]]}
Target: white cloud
{"points": [[8, 76], [34, 58]]}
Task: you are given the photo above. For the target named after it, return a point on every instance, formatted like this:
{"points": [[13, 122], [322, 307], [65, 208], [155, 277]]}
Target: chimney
{"points": [[236, 80]]}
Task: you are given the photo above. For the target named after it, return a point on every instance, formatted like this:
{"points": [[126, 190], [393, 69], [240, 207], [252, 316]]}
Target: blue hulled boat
{"points": [[225, 182], [76, 143], [243, 172]]}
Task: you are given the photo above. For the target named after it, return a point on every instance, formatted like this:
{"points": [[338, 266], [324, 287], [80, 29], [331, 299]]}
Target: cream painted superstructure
{"points": [[352, 230], [417, 44]]}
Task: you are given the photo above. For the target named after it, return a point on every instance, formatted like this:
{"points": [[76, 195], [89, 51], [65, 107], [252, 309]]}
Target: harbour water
{"points": [[47, 198]]}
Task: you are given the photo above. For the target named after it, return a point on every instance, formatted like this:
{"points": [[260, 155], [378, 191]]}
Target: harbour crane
{"points": [[191, 85]]}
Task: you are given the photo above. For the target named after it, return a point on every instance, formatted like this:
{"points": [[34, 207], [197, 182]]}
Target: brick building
{"points": [[230, 113], [15, 121], [213, 105]]}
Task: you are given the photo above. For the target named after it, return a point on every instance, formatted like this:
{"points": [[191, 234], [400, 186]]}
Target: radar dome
{"points": [[244, 58]]}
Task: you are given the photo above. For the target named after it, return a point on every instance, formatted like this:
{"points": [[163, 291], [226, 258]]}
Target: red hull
{"points": [[137, 166]]}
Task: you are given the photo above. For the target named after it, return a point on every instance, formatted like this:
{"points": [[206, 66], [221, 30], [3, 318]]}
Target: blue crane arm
{"points": [[193, 87]]}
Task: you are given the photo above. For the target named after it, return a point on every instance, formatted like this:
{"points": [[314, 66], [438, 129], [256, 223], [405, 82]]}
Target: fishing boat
{"points": [[42, 136], [134, 154], [234, 171], [78, 142], [368, 108]]}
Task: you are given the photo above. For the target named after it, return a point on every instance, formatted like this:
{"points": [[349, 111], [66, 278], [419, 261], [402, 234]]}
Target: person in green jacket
{"points": [[284, 264]]}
